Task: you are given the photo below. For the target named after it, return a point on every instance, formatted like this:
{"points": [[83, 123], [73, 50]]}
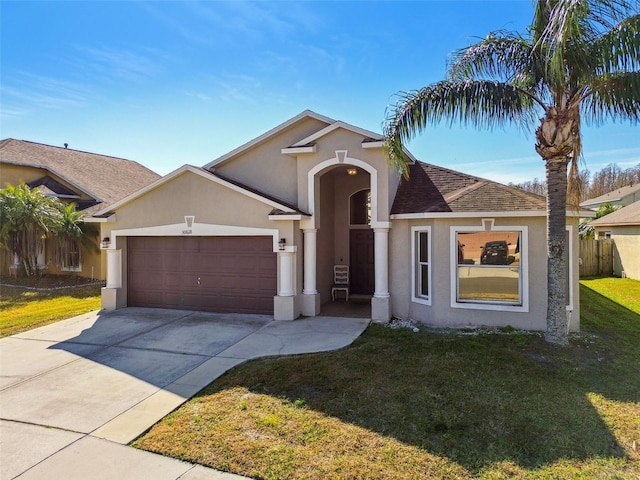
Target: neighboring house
{"points": [[621, 196], [623, 226], [260, 229], [89, 180]]}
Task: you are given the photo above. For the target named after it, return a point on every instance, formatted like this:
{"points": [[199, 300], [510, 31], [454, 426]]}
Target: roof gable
{"points": [[614, 196], [213, 177], [307, 114]]}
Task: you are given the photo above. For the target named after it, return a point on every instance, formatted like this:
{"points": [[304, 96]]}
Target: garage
{"points": [[213, 274]]}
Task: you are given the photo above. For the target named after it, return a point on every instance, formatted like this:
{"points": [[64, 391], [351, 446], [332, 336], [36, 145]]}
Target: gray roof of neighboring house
{"points": [[104, 178], [614, 196], [436, 189], [629, 215]]}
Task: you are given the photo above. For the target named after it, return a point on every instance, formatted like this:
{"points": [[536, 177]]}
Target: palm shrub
{"points": [[578, 61], [73, 235], [27, 217]]}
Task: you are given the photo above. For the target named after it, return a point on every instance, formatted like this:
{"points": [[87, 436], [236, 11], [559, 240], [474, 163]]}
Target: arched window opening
{"points": [[360, 208]]}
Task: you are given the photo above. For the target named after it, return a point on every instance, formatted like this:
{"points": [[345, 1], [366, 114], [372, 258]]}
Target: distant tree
{"points": [[539, 187]]}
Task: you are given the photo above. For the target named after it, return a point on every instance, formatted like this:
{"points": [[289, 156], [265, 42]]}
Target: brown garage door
{"points": [[213, 274]]}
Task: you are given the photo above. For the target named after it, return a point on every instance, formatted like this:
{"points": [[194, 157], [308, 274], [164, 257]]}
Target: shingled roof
{"points": [[106, 179], [436, 189]]}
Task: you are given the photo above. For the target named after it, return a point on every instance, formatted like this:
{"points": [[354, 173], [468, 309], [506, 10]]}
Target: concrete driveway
{"points": [[73, 393]]}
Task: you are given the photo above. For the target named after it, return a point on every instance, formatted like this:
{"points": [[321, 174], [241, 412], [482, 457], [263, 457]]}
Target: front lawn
{"points": [[22, 309], [404, 405]]}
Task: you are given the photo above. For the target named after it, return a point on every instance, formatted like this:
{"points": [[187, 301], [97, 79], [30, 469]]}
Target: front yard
{"points": [[22, 308], [406, 405]]}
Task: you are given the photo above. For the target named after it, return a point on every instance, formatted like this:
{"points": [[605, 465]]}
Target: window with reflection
{"points": [[488, 267]]}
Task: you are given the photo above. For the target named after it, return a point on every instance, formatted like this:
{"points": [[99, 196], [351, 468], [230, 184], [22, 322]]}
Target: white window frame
{"points": [[488, 225], [415, 263]]}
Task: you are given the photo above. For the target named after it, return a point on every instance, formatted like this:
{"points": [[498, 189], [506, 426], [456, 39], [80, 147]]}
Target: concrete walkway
{"points": [[74, 393]]}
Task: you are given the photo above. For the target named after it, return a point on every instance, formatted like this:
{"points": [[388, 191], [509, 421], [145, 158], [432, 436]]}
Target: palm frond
{"points": [[618, 49], [613, 97], [501, 56], [479, 103]]}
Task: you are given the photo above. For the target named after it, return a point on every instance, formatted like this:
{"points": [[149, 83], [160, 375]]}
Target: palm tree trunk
{"points": [[557, 327]]}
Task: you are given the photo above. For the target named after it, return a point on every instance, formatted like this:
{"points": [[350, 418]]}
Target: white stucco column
{"points": [[310, 298], [286, 274], [310, 235], [381, 301], [114, 268], [381, 262]]}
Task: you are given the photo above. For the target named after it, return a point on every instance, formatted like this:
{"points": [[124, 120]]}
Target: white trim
{"points": [[274, 131], [297, 150], [524, 269], [202, 173], [570, 261], [109, 219], [376, 144], [373, 182], [298, 216], [199, 230], [334, 126], [512, 213], [414, 273]]}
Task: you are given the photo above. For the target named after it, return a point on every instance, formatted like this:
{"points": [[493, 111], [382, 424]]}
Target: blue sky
{"points": [[167, 83]]}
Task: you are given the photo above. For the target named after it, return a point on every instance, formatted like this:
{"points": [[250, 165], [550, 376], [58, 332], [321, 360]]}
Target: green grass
{"points": [[402, 405], [22, 309]]}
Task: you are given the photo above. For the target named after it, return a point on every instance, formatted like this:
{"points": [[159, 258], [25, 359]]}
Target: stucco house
{"points": [[619, 197], [623, 226], [260, 229], [91, 181]]}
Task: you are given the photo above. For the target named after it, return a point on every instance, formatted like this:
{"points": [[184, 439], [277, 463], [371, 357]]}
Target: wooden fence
{"points": [[596, 257]]}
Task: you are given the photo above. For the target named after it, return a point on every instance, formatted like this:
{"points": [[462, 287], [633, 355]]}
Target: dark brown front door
{"points": [[214, 274], [361, 261]]}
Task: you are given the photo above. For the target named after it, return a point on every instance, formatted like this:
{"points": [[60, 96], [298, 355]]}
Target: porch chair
{"points": [[340, 281]]}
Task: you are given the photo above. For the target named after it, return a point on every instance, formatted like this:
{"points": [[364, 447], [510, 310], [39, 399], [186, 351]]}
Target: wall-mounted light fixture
{"points": [[352, 171], [281, 244], [106, 241]]}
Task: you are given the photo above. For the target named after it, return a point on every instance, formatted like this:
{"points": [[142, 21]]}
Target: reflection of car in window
{"points": [[496, 253]]}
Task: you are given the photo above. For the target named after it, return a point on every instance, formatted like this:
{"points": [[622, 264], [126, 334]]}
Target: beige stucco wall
{"points": [[327, 146], [266, 168], [626, 251], [440, 313], [210, 203]]}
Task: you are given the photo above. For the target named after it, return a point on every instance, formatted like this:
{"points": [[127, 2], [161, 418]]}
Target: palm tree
{"points": [[579, 61], [26, 218], [73, 236]]}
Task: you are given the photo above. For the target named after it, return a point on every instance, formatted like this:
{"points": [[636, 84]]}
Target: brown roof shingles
{"points": [[107, 179], [436, 189]]}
